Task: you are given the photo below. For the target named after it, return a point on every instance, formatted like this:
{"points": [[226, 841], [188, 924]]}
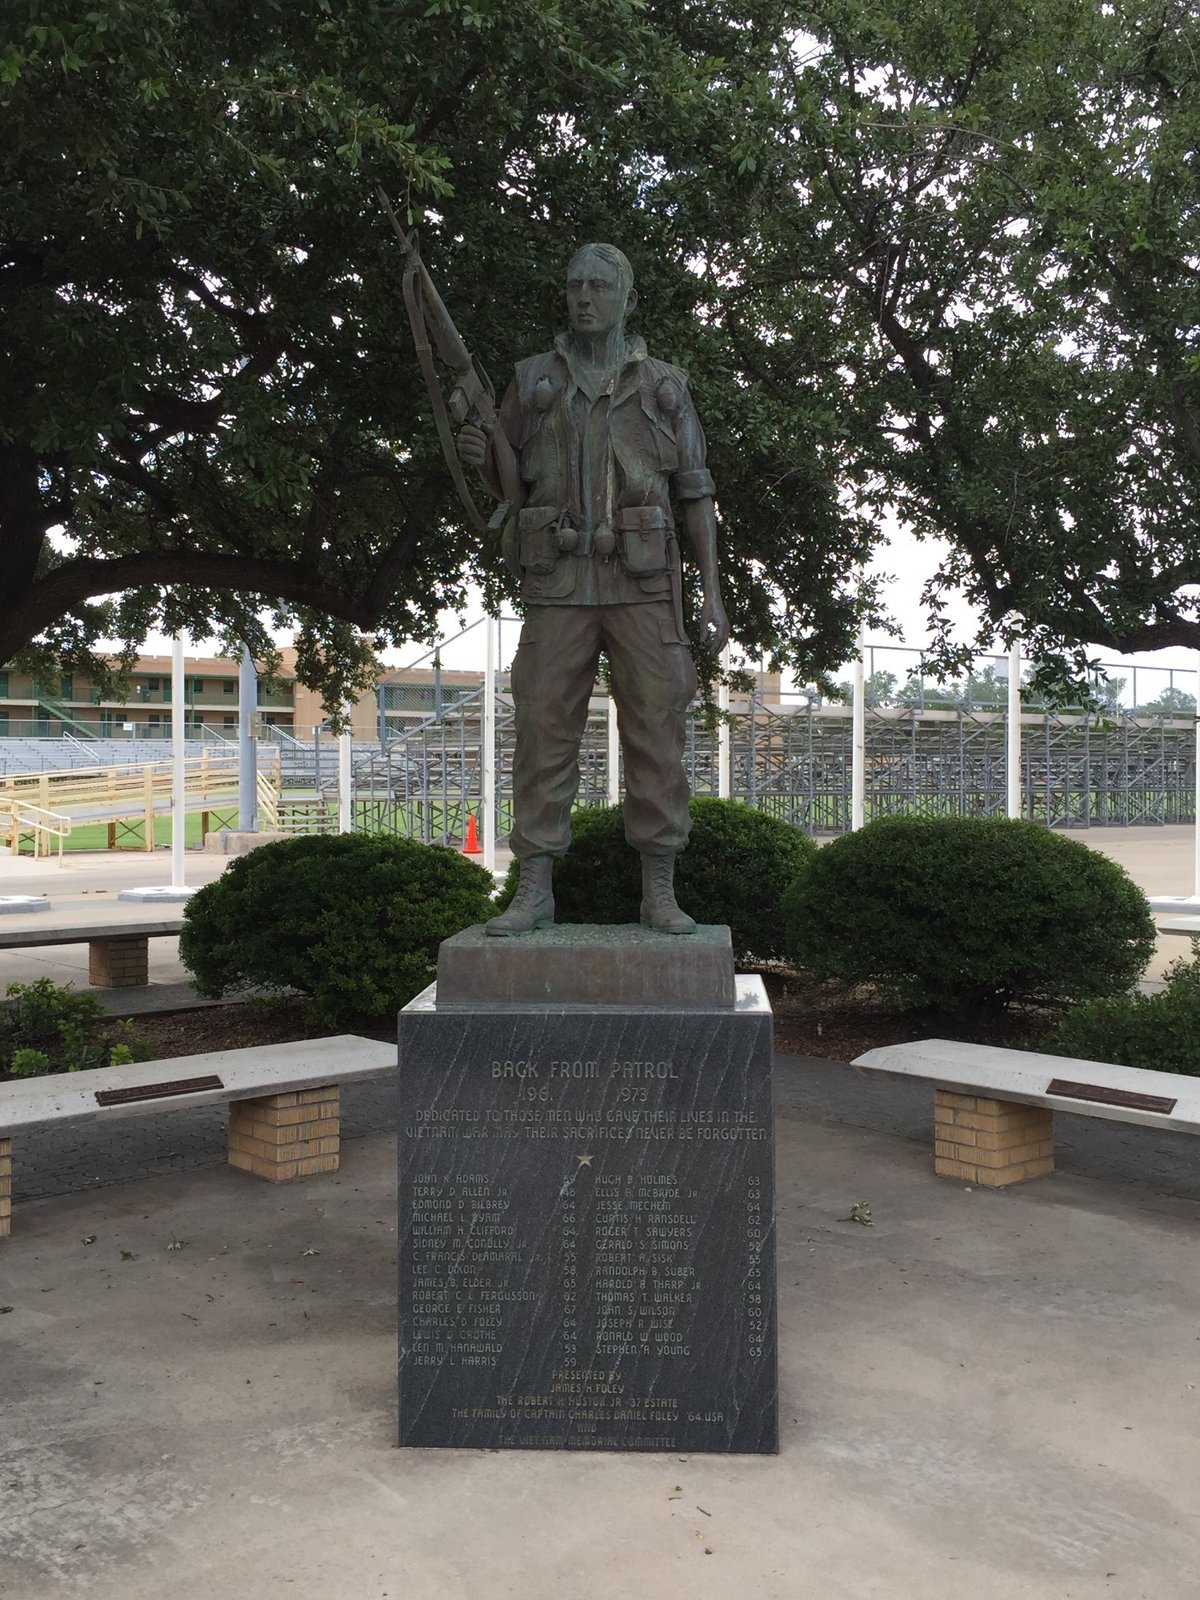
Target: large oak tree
{"points": [[937, 259]]}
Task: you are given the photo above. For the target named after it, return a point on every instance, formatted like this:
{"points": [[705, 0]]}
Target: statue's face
{"points": [[596, 302]]}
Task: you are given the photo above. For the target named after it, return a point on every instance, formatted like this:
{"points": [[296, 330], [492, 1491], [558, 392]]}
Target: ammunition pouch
{"points": [[643, 540], [538, 546]]}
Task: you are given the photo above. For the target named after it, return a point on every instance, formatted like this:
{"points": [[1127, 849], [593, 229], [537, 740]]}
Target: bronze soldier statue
{"points": [[609, 451]]}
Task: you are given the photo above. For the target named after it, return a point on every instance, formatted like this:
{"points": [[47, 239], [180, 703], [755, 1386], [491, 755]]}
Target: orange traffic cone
{"points": [[472, 846]]}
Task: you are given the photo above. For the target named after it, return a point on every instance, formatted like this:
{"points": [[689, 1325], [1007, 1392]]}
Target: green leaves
{"points": [[352, 921], [49, 1027], [969, 915], [934, 262]]}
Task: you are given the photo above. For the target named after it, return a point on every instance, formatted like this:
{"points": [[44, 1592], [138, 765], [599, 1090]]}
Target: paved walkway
{"points": [[994, 1395], [987, 1394]]}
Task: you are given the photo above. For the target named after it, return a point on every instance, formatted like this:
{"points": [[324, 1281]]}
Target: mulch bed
{"points": [[833, 1020]]}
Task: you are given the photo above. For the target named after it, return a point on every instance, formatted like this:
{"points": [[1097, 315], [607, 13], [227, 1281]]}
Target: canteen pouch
{"points": [[643, 531], [537, 528]]}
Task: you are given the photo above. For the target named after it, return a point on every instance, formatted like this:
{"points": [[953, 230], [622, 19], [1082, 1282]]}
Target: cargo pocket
{"points": [[679, 661], [538, 545], [643, 532]]}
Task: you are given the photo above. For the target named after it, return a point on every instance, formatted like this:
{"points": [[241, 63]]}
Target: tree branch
{"points": [[67, 586]]}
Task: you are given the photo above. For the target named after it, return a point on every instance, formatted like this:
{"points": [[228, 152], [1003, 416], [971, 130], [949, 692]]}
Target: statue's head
{"points": [[600, 292]]}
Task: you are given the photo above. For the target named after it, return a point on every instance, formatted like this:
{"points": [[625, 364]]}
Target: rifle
{"points": [[472, 397]]}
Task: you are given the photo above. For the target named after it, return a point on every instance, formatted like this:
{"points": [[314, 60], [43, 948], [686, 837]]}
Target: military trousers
{"points": [[653, 682]]}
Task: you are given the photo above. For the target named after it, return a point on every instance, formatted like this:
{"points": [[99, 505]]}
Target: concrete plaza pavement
{"points": [[992, 1394], [986, 1394]]}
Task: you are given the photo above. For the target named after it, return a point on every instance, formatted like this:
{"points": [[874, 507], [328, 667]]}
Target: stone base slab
{"points": [[587, 1244], [232, 842], [587, 965]]}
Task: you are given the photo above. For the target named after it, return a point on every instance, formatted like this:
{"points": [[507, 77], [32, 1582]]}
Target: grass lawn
{"points": [[131, 834]]}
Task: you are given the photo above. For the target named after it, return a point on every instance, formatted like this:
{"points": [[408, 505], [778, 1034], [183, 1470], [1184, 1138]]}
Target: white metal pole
{"points": [[178, 766], [345, 798], [488, 752], [1013, 763], [858, 738], [614, 752], [247, 743], [724, 774]]}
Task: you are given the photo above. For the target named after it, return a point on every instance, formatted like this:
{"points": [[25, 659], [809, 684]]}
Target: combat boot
{"points": [[659, 910], [533, 904]]}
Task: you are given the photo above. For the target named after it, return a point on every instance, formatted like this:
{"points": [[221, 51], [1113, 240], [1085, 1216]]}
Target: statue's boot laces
{"points": [[533, 904], [659, 908]]}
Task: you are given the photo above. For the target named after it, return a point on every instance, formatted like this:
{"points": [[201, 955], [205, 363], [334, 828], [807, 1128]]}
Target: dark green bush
{"points": [[1160, 1032], [49, 1027], [735, 869], [969, 914], [352, 921]]}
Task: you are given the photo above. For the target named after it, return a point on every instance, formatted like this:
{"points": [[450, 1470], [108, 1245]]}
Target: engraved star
{"points": [[585, 1161]]}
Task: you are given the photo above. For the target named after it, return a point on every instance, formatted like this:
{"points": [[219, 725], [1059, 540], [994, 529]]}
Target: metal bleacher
{"points": [[67, 753]]}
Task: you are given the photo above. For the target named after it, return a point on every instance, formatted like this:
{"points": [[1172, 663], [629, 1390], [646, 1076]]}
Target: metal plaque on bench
{"points": [[157, 1091], [1104, 1095], [587, 1249]]}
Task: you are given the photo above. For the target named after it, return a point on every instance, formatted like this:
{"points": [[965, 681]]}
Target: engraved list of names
{"points": [[586, 1228]]}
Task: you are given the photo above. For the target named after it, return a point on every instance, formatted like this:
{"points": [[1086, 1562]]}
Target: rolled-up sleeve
{"points": [[692, 480], [694, 484]]}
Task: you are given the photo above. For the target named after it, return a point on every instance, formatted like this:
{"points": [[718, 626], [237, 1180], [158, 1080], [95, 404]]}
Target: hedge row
{"points": [[965, 915]]}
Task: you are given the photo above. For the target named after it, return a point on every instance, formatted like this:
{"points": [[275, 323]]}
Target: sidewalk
{"points": [[994, 1395], [88, 883]]}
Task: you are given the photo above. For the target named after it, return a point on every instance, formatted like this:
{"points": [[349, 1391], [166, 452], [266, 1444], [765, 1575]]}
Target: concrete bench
{"points": [[284, 1101], [994, 1109], [118, 948]]}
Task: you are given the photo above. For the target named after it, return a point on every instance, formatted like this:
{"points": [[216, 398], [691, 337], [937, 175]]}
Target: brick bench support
{"points": [[993, 1143], [119, 963], [285, 1136]]}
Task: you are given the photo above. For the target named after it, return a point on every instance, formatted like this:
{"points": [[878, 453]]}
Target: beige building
{"points": [[32, 709]]}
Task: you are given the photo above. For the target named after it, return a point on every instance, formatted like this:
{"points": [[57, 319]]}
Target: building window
{"points": [[228, 685], [229, 722], [66, 688], [4, 684]]}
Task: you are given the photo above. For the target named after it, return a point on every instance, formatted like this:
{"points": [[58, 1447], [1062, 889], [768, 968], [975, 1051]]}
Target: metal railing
{"points": [[108, 793]]}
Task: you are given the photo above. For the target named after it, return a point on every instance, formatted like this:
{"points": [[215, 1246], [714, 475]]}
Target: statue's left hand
{"points": [[714, 622]]}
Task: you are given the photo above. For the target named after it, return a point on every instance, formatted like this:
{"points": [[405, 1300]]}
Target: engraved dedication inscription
{"points": [[587, 1255]]}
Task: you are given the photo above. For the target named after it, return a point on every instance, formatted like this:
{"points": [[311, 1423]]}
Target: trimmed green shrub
{"points": [[968, 915], [49, 1027], [735, 869], [352, 921], [1160, 1032]]}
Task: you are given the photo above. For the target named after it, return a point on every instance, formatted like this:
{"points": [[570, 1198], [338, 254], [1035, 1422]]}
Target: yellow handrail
{"points": [[268, 802], [117, 791], [46, 825]]}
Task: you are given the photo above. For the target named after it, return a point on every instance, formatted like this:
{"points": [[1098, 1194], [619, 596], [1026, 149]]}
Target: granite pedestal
{"points": [[587, 1244]]}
